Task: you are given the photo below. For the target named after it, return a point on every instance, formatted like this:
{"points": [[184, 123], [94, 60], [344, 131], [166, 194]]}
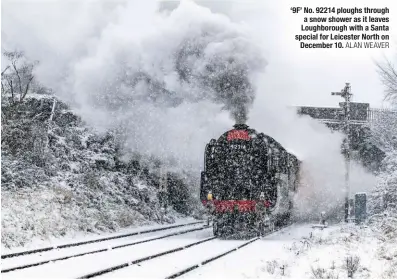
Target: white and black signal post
{"points": [[346, 94]]}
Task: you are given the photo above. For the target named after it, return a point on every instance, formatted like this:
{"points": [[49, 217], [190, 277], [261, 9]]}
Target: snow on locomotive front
{"points": [[248, 181]]}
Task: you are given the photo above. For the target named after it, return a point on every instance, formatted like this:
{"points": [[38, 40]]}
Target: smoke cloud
{"points": [[139, 67], [169, 80]]}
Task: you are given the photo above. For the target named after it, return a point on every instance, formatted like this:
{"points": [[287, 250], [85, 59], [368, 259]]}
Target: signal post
{"points": [[346, 94]]}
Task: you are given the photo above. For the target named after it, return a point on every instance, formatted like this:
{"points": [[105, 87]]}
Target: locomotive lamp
{"points": [[210, 205], [209, 195]]}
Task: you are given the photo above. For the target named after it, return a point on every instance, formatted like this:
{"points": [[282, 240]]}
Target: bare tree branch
{"points": [[388, 75], [11, 89], [2, 73], [3, 90], [26, 90], [19, 77]]}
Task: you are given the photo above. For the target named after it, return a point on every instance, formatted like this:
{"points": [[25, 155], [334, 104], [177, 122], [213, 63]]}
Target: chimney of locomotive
{"points": [[240, 126]]}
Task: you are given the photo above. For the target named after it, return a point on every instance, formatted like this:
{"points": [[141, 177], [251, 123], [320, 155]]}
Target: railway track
{"points": [[220, 255], [126, 264], [178, 249], [69, 245], [19, 267], [172, 252], [186, 270]]}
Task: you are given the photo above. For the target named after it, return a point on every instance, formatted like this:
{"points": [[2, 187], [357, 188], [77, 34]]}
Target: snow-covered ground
{"points": [[304, 252], [76, 267], [296, 251], [328, 255], [48, 255]]}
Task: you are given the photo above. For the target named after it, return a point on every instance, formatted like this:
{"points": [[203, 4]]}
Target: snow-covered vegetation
{"points": [[384, 135], [60, 177], [383, 200], [348, 251]]}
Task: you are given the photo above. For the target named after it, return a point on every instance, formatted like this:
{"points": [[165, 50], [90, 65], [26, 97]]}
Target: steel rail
{"points": [[12, 255], [100, 250], [190, 268], [126, 264]]}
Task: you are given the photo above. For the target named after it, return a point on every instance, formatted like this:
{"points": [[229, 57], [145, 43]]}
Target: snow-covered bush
{"points": [[324, 273], [351, 265]]}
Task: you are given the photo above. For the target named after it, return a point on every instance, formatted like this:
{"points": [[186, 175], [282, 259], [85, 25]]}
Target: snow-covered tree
{"points": [[16, 77], [384, 130], [388, 74], [384, 135]]}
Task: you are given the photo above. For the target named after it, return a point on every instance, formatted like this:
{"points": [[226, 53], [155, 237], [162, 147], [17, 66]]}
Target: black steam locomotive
{"points": [[248, 182]]}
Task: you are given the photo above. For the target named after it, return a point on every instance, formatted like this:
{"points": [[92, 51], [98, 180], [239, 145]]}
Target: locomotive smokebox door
{"points": [[360, 207]]}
